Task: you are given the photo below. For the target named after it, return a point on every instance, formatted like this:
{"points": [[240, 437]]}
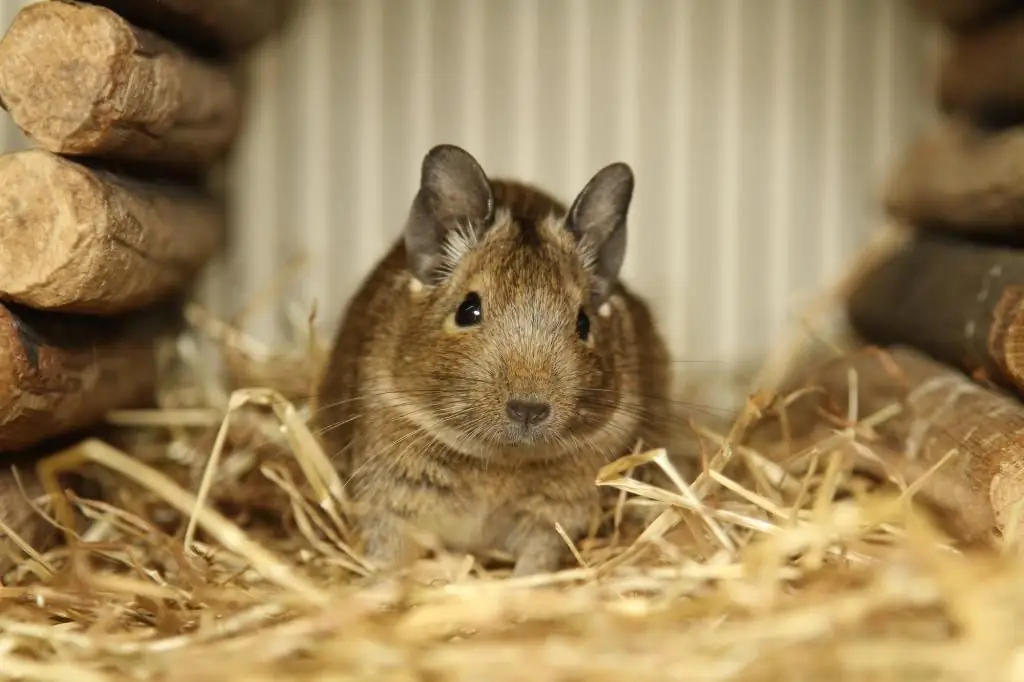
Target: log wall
{"points": [[132, 109], [953, 290], [947, 307]]}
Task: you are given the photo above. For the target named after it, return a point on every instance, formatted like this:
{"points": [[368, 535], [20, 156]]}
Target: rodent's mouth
{"points": [[530, 441], [525, 436]]}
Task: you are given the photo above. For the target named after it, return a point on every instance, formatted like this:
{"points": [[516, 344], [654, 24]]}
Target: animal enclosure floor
{"points": [[748, 574]]}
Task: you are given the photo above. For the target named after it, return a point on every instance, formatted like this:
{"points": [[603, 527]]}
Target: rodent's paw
{"points": [[541, 552], [385, 546], [540, 560]]}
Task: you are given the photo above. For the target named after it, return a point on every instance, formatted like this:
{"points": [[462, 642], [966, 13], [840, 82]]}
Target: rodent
{"points": [[490, 365]]}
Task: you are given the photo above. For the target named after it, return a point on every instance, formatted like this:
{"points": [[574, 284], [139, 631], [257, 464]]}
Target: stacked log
{"points": [[131, 107], [947, 306], [959, 443]]}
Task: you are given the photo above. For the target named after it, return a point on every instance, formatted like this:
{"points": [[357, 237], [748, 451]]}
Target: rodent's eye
{"points": [[470, 311], [583, 325]]}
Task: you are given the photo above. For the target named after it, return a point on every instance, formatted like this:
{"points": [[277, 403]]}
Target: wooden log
{"points": [[945, 411], [80, 80], [965, 14], [84, 240], [982, 77], [942, 411], [958, 301], [60, 372], [210, 26], [961, 178]]}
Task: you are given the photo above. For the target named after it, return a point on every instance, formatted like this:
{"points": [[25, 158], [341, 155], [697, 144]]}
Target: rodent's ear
{"points": [[454, 195], [597, 219]]}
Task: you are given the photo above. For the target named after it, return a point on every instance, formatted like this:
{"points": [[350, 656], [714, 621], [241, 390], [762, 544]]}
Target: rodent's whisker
{"points": [[393, 459], [671, 361], [403, 391], [644, 417], [411, 440], [366, 395], [484, 321], [344, 422], [709, 409], [339, 456]]}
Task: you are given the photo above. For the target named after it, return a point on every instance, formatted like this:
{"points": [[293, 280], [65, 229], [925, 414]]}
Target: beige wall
{"points": [[758, 130]]}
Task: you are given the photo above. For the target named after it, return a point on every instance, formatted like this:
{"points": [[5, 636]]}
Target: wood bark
{"points": [[982, 77], [210, 26], [60, 373], [961, 178], [84, 240], [964, 15], [958, 301], [80, 80], [943, 411]]}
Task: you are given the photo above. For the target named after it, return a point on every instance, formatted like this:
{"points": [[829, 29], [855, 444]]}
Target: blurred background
{"points": [[759, 130]]}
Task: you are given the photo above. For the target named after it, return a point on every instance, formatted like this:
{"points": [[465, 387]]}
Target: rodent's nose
{"points": [[527, 412]]}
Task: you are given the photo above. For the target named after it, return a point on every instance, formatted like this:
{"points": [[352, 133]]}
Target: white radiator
{"points": [[759, 130]]}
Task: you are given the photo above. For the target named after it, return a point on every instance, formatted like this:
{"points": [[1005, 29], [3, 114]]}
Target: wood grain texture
{"points": [[80, 80], [961, 178], [219, 27], [958, 301], [982, 77], [84, 240], [1006, 336], [60, 373]]}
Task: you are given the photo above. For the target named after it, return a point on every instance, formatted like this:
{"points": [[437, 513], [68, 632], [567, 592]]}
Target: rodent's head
{"points": [[515, 343]]}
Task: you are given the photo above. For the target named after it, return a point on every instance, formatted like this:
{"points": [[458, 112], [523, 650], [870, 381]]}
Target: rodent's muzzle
{"points": [[528, 413], [533, 380], [528, 418]]}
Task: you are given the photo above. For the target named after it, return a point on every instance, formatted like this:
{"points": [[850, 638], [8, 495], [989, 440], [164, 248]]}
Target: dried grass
{"points": [[222, 554]]}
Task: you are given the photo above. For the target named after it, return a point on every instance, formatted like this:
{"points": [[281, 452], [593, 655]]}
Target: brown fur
{"points": [[414, 405]]}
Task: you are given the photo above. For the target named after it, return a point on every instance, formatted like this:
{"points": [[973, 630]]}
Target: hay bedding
{"points": [[745, 573]]}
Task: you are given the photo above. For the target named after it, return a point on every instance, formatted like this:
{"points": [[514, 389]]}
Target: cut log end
{"points": [[1006, 336], [80, 80], [82, 240], [54, 59]]}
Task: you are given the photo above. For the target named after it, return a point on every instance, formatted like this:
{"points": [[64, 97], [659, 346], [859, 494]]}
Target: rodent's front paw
{"points": [[542, 553], [386, 547]]}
